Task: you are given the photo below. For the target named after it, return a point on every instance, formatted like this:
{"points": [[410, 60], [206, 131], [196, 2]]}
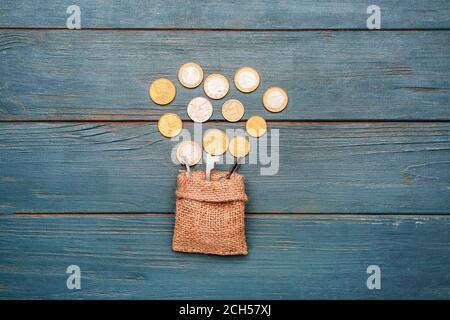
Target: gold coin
{"points": [[189, 150], [170, 125], [275, 99], [246, 79], [256, 126], [190, 75], [215, 142], [216, 86], [233, 110], [200, 109], [162, 91], [239, 146]]}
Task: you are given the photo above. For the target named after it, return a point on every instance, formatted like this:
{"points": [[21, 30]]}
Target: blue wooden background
{"points": [[86, 179]]}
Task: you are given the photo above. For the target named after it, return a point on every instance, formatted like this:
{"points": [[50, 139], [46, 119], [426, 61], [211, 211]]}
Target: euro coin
{"points": [[215, 142], [239, 146], [190, 75], [170, 125], [233, 110], [256, 126], [162, 91], [216, 86], [275, 99], [199, 109], [190, 152], [246, 79]]}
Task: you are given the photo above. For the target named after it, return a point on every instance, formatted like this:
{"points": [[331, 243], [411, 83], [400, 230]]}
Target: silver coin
{"points": [[190, 75], [216, 86], [246, 79], [200, 109], [189, 151], [275, 99]]}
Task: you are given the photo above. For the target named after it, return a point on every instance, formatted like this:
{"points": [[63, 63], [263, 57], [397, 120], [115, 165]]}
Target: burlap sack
{"points": [[209, 215]]}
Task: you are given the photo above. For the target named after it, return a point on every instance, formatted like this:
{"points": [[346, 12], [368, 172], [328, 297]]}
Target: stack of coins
{"points": [[216, 86]]}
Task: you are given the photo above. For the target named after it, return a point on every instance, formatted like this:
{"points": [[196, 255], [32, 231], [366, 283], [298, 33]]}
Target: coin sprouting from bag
{"points": [[246, 79], [216, 86], [162, 91], [233, 110], [256, 126], [170, 125], [215, 142], [275, 99], [239, 146], [190, 75], [189, 151], [200, 109]]}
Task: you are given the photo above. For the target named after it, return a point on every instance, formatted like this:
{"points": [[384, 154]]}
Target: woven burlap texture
{"points": [[209, 215]]}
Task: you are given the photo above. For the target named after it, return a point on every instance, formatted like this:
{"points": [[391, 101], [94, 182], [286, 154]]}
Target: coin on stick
{"points": [[170, 125], [256, 126], [200, 109], [189, 150], [233, 110], [215, 142], [246, 79], [190, 75], [216, 86], [275, 99], [162, 91], [239, 146]]}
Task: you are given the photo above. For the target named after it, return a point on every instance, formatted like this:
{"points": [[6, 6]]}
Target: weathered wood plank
{"points": [[251, 14], [323, 168], [328, 75], [295, 257]]}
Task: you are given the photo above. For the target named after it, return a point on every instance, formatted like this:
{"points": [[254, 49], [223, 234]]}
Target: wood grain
{"points": [[294, 257], [98, 156], [104, 75], [250, 14], [323, 168]]}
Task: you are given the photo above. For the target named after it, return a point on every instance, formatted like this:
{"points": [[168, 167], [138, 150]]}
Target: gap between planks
{"points": [[222, 29], [145, 121], [131, 214]]}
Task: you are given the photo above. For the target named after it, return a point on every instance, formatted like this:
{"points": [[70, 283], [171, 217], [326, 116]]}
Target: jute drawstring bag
{"points": [[209, 215]]}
